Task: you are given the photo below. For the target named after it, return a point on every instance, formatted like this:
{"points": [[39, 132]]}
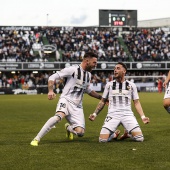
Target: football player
{"points": [[120, 92]]}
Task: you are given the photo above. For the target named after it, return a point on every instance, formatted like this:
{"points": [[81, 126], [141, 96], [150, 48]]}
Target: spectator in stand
{"points": [[147, 44], [160, 85]]}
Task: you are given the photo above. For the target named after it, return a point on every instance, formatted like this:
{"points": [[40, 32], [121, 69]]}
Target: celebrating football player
{"points": [[120, 92], [77, 82]]}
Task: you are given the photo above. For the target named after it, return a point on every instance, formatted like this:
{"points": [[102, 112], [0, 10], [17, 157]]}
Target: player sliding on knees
{"points": [[77, 82], [120, 92]]}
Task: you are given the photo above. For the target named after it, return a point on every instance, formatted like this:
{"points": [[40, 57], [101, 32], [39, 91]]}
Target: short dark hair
{"points": [[91, 55], [123, 64]]}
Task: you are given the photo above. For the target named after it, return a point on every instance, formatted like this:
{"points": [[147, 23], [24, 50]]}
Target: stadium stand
{"points": [[148, 44], [111, 45], [71, 44]]}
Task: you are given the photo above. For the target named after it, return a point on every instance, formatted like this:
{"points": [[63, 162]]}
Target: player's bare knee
{"points": [[80, 131], [137, 135], [138, 138], [167, 108], [104, 135], [166, 104], [103, 140], [80, 134], [58, 118]]}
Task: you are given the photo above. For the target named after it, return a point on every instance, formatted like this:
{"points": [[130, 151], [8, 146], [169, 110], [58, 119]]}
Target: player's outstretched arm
{"points": [[95, 95], [98, 96], [99, 107], [140, 111]]}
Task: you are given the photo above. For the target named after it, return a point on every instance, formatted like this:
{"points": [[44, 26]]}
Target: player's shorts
{"points": [[74, 114], [112, 122], [167, 91]]}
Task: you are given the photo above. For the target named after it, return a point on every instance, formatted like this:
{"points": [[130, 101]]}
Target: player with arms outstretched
{"points": [[120, 92]]}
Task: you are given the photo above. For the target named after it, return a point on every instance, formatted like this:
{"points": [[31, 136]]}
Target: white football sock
{"points": [[47, 127]]}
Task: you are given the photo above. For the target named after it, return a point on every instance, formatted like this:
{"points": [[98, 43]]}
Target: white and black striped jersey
{"points": [[77, 81], [120, 96]]}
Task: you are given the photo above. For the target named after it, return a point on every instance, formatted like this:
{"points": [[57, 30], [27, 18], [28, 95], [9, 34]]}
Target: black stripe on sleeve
{"points": [[84, 76], [120, 87], [114, 85], [88, 77], [120, 91], [127, 86], [78, 73]]}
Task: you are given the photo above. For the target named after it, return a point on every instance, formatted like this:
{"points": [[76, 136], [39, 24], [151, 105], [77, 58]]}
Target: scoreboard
{"points": [[118, 18]]}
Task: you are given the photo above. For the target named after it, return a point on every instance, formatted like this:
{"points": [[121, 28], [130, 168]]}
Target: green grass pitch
{"points": [[22, 116]]}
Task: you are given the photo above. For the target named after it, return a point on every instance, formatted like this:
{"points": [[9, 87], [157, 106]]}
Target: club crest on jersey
{"points": [[62, 105], [128, 87]]}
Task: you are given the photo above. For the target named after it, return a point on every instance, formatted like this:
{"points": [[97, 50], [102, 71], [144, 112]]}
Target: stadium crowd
{"points": [[29, 80], [16, 45], [151, 44], [148, 44], [74, 43]]}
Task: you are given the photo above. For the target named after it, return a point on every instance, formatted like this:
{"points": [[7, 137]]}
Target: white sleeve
{"points": [[106, 91], [66, 72], [88, 89], [135, 95]]}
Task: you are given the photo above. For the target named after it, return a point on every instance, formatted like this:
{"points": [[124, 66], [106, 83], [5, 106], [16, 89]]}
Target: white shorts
{"points": [[112, 122], [167, 91], [74, 114]]}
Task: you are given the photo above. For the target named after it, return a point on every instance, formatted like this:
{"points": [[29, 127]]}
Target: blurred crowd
{"points": [[148, 44], [29, 80], [16, 45], [151, 44], [74, 43]]}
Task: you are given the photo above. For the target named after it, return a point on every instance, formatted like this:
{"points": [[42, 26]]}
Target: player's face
{"points": [[91, 64], [119, 71]]}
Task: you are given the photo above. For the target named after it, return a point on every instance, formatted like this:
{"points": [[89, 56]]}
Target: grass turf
{"points": [[22, 116]]}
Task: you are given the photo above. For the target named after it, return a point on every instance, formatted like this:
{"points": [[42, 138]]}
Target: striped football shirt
{"points": [[120, 96], [77, 82]]}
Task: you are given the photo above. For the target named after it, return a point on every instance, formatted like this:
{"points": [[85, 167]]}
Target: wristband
{"points": [[142, 117], [94, 114]]}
